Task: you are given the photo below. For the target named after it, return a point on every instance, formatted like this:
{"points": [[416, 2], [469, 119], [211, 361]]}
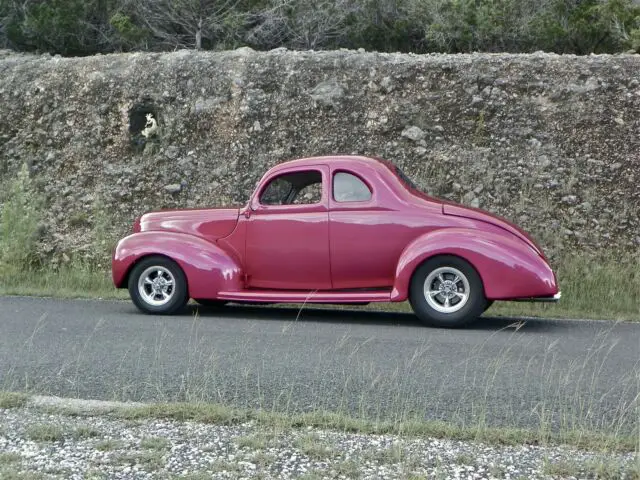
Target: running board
{"points": [[289, 296]]}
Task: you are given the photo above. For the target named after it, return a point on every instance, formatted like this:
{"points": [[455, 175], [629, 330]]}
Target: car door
{"points": [[287, 242], [366, 238]]}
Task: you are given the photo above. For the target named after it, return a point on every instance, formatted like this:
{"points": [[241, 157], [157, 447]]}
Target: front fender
{"points": [[208, 268], [508, 267]]}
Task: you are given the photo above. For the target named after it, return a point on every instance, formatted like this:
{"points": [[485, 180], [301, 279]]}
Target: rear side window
{"points": [[349, 188]]}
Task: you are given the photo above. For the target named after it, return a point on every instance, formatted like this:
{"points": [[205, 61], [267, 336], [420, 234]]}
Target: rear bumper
{"points": [[554, 299]]}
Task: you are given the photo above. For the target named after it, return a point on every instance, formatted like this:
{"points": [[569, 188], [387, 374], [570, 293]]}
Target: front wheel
{"points": [[157, 285], [446, 291]]}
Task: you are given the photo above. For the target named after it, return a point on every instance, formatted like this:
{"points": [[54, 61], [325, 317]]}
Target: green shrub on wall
{"points": [[20, 217]]}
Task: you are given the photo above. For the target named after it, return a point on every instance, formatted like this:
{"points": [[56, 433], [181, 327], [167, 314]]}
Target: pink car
{"points": [[342, 230]]}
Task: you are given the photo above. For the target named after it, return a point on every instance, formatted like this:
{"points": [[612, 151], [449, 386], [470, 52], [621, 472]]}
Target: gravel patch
{"points": [[88, 446]]}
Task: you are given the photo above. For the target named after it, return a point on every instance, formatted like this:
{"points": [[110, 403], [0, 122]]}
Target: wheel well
{"points": [[125, 279], [467, 261]]}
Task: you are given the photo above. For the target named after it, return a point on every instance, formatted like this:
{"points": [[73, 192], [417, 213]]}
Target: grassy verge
{"points": [[592, 288], [416, 427], [74, 280], [219, 414]]}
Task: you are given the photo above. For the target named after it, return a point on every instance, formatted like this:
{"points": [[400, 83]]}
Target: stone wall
{"points": [[550, 142]]}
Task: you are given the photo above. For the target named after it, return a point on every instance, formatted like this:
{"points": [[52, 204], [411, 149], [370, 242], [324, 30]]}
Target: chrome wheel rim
{"points": [[156, 286], [446, 290]]}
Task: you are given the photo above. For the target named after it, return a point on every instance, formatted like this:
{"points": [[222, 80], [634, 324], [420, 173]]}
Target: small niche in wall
{"points": [[143, 123]]}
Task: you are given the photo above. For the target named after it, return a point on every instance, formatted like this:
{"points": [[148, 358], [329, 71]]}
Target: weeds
{"points": [[8, 458], [83, 432], [602, 468], [13, 474], [20, 226], [21, 269], [497, 471], [192, 476], [465, 459], [155, 443], [44, 433], [223, 415], [13, 400], [225, 466], [109, 445], [314, 447], [263, 459], [149, 460], [256, 441], [607, 469], [103, 235], [73, 280], [313, 475], [348, 469]]}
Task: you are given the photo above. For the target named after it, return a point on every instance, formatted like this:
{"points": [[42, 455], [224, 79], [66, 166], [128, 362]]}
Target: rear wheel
{"points": [[446, 291], [157, 285]]}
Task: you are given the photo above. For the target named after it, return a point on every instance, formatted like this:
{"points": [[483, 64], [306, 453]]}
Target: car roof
{"points": [[351, 161], [383, 167]]}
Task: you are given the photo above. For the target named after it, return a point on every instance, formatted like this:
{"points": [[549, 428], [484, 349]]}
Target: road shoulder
{"points": [[70, 438]]}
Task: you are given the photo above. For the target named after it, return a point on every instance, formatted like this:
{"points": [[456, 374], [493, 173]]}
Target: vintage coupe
{"points": [[341, 230]]}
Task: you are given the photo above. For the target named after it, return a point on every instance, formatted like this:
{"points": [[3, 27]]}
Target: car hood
{"points": [[210, 223], [481, 215]]}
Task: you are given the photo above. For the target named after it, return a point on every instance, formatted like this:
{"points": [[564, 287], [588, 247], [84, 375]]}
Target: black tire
{"points": [[458, 315], [177, 291], [207, 302], [488, 305]]}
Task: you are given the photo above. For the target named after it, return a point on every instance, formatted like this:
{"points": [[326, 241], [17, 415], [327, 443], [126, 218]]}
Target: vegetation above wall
{"points": [[85, 27]]}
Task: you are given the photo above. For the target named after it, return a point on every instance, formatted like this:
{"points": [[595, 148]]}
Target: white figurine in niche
{"points": [[151, 127]]}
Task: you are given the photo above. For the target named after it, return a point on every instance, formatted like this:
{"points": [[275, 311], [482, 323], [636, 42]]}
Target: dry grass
{"points": [[223, 415], [109, 445], [13, 400], [44, 432], [9, 458], [148, 460], [155, 443]]}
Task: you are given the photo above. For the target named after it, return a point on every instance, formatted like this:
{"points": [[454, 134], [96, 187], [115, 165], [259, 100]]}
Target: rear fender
{"points": [[208, 268], [508, 267]]}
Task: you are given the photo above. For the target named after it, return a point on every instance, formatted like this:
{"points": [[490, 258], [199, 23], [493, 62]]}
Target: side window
{"points": [[349, 188], [310, 194], [298, 188]]}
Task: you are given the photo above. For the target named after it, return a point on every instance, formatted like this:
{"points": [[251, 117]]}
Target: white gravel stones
{"points": [[102, 446]]}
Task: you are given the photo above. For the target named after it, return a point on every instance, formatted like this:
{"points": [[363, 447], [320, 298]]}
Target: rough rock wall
{"points": [[550, 142]]}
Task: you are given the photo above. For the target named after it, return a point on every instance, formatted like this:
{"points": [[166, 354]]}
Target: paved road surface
{"points": [[507, 371]]}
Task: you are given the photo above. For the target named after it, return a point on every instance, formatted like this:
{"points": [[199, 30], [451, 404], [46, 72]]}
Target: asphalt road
{"points": [[500, 371]]}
